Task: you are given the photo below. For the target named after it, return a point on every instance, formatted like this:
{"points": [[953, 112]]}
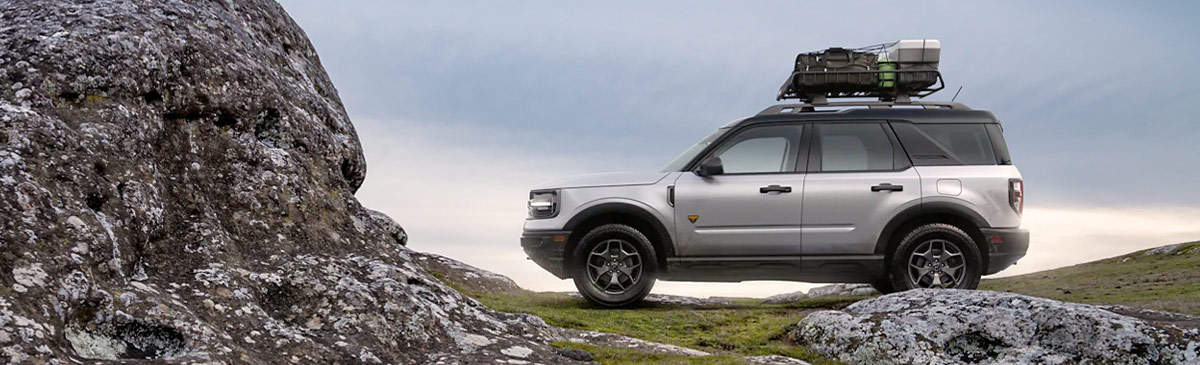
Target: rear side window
{"points": [[946, 144], [855, 147]]}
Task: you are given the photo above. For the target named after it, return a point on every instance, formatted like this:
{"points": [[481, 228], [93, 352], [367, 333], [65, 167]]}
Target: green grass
{"points": [[744, 328], [1159, 282]]}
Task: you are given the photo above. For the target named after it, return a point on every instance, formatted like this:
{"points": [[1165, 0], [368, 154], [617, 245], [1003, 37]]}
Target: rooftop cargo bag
{"points": [[814, 71]]}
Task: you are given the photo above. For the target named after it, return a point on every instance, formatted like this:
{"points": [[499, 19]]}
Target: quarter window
{"points": [[968, 142], [855, 147]]}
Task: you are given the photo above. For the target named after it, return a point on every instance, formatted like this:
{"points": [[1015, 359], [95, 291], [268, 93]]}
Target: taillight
{"points": [[1016, 195]]}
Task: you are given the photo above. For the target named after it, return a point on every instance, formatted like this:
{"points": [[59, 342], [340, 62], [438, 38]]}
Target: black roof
{"points": [[916, 112]]}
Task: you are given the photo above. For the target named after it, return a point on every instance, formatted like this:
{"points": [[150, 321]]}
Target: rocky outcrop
{"points": [[177, 182], [677, 300], [957, 326], [834, 290], [1190, 248], [465, 277]]}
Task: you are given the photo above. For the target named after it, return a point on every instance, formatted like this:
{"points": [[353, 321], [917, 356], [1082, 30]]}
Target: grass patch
{"points": [[744, 328], [1160, 282]]}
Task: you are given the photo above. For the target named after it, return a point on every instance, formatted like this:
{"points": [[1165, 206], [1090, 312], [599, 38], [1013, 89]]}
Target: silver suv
{"points": [[898, 195]]}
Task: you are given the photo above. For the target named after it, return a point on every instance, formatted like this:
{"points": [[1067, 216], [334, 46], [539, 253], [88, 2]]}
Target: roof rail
{"points": [[811, 107]]}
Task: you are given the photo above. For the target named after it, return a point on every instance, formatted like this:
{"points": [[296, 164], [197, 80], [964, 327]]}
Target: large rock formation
{"points": [[959, 326], [176, 182]]}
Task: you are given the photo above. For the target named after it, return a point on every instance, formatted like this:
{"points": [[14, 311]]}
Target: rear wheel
{"points": [[615, 266], [938, 256]]}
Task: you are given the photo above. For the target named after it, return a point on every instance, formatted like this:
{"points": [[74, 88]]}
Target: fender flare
{"points": [[630, 209], [923, 209]]}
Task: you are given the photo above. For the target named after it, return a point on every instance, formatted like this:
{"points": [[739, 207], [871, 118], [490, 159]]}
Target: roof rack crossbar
{"points": [[811, 107]]}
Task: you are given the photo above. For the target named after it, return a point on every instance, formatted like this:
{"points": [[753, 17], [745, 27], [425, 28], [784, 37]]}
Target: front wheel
{"points": [[937, 255], [615, 266]]}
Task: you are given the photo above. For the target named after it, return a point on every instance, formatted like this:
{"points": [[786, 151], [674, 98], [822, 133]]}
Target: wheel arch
{"points": [[959, 216], [622, 213]]}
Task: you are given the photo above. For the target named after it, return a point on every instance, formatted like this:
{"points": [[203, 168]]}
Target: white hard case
{"points": [[916, 51]]}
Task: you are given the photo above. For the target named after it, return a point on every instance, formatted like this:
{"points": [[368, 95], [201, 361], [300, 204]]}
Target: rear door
{"points": [[858, 179], [754, 209]]}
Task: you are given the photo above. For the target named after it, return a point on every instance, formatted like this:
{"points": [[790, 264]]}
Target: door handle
{"points": [[887, 187], [775, 188]]}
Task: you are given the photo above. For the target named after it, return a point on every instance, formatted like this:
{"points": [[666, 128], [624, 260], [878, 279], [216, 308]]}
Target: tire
{"points": [[614, 250], [883, 285], [936, 255]]}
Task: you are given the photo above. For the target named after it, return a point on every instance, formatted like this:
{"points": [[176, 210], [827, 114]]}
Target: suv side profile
{"points": [[897, 195]]}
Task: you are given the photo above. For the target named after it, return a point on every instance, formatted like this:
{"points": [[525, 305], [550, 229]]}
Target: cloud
{"points": [[1072, 81], [462, 193]]}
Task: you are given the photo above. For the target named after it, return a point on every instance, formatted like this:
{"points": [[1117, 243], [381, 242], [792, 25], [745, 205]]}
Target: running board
{"points": [[829, 268]]}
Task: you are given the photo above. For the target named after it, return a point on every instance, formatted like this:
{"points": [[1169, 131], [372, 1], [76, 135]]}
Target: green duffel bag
{"points": [[887, 80]]}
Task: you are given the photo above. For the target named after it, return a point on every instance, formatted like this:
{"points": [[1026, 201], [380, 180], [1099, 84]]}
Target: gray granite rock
{"points": [[177, 183], [963, 326], [667, 299], [774, 360], [466, 277], [1172, 249], [619, 341], [832, 290]]}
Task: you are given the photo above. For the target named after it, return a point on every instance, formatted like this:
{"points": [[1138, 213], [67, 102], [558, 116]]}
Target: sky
{"points": [[461, 107]]}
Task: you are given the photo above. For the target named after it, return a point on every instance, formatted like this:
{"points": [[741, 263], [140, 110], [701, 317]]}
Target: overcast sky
{"points": [[461, 107]]}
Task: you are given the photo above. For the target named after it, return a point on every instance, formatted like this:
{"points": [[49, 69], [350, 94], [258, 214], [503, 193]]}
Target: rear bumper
{"points": [[1004, 247], [546, 249]]}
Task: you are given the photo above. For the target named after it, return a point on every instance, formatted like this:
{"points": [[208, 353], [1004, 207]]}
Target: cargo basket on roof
{"points": [[888, 71]]}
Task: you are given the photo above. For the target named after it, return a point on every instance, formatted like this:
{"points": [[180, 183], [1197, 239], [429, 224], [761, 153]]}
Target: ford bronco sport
{"points": [[900, 195]]}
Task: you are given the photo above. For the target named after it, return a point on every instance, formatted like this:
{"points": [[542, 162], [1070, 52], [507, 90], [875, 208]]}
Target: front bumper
{"points": [[1004, 247], [546, 249]]}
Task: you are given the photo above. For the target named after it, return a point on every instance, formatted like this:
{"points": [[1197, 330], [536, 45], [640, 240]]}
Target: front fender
{"points": [[663, 224]]}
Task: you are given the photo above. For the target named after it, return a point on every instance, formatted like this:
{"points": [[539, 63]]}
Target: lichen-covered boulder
{"points": [[465, 277], [962, 326], [176, 183]]}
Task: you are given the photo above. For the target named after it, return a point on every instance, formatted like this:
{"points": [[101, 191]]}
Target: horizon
{"points": [[444, 96]]}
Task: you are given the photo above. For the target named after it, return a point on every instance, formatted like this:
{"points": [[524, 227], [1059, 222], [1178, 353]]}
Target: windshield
{"points": [[680, 162]]}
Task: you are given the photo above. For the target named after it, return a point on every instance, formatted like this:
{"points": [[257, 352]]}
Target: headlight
{"points": [[543, 204]]}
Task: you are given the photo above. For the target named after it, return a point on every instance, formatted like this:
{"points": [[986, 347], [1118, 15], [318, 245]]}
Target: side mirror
{"points": [[711, 166]]}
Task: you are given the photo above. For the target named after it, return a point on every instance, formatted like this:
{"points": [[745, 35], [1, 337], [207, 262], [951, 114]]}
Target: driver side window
{"points": [[759, 150]]}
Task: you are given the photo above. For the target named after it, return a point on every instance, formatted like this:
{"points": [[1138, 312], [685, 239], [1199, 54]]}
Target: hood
{"points": [[606, 179]]}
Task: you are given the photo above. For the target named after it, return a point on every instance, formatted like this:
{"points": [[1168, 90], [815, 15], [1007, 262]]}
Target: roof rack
{"points": [[792, 90], [901, 101]]}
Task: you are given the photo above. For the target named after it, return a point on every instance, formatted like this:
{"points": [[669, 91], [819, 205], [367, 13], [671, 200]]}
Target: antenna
{"points": [[956, 94]]}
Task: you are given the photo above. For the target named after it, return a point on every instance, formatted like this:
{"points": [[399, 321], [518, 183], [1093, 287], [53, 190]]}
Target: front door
{"points": [[859, 178], [754, 208]]}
